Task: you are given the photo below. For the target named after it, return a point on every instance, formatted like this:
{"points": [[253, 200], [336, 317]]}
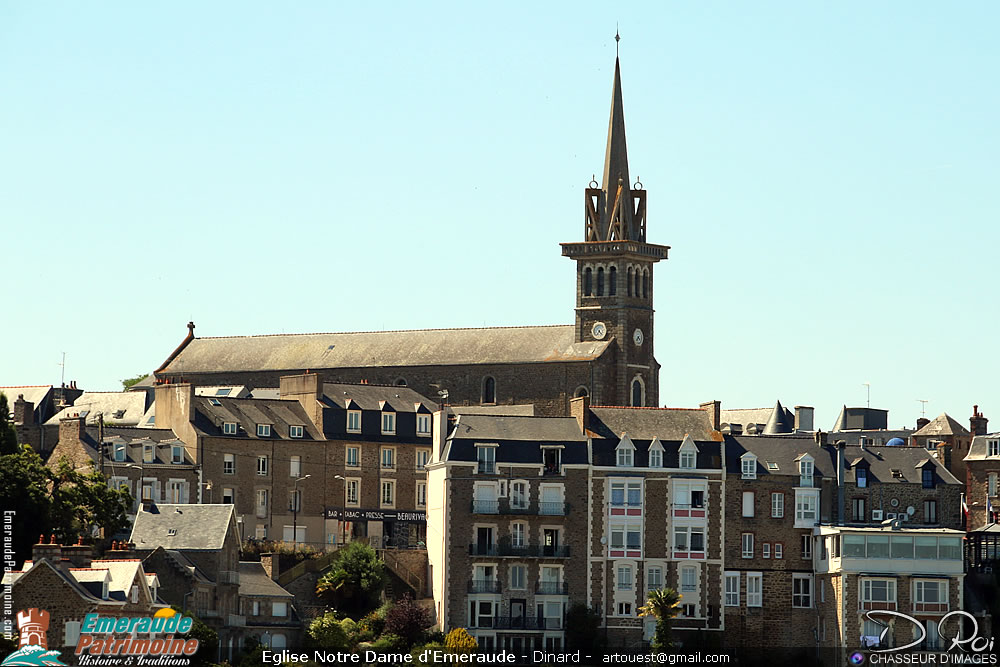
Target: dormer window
{"points": [[177, 454], [927, 477], [229, 428], [423, 424], [119, 451], [861, 476], [806, 471], [748, 466], [655, 458], [993, 447], [354, 421], [295, 431], [688, 454], [625, 453], [486, 458], [388, 423], [263, 430], [147, 454]]}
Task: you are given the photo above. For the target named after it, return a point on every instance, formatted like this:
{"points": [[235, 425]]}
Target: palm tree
{"points": [[664, 605]]}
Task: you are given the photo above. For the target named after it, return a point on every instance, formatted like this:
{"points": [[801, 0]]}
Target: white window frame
{"points": [[807, 545], [390, 486], [421, 494], [148, 454], [263, 465], [765, 550], [755, 589], [486, 459], [732, 589], [423, 424], [352, 483], [865, 592], [779, 550], [777, 505], [748, 466], [295, 466], [519, 582], [174, 449], [800, 596], [919, 594], [348, 463], [421, 458], [387, 458], [354, 421], [261, 502], [991, 485], [388, 422], [119, 452], [520, 500], [688, 459], [624, 580], [518, 534], [746, 545], [806, 500], [655, 458], [748, 504], [229, 492], [654, 578], [690, 573], [807, 469], [624, 457], [229, 428], [263, 430], [861, 477], [296, 431], [993, 447]]}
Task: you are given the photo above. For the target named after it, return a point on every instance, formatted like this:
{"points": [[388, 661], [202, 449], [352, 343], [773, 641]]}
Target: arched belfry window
{"points": [[489, 390], [600, 281], [588, 281], [645, 284], [401, 382], [580, 392], [628, 282], [638, 393], [638, 276], [612, 281]]}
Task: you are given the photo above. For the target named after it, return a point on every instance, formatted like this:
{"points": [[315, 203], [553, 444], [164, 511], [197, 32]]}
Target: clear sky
{"points": [[825, 172]]}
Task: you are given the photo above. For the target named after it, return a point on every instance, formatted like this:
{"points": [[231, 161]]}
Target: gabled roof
{"points": [[35, 394], [123, 574], [374, 397], [254, 582], [195, 527], [942, 425], [380, 349], [649, 423], [784, 450], [212, 412], [536, 429], [881, 460]]}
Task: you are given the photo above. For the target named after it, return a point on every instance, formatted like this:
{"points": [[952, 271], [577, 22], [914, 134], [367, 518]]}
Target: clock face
{"points": [[599, 330], [637, 336]]}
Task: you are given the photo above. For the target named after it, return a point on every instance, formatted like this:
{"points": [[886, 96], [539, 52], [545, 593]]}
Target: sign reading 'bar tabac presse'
{"points": [[361, 514]]}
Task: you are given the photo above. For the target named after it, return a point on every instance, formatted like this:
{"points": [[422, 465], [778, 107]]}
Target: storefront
{"points": [[398, 529]]}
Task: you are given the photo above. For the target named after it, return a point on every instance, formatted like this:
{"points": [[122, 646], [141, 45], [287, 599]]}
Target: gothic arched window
{"points": [[588, 280], [612, 281], [637, 277], [489, 390], [628, 282], [600, 281], [645, 284], [637, 393]]}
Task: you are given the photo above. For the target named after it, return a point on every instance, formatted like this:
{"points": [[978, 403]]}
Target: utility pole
{"points": [[295, 511]]}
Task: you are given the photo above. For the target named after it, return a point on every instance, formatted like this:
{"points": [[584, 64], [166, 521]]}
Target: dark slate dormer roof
{"points": [[375, 397], [780, 421], [212, 412], [979, 449], [649, 423], [197, 527], [381, 349], [518, 439], [784, 450], [605, 453], [881, 460], [942, 425], [254, 582], [134, 439]]}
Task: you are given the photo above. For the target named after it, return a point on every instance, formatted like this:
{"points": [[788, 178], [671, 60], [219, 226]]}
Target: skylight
{"points": [[214, 401], [771, 465]]}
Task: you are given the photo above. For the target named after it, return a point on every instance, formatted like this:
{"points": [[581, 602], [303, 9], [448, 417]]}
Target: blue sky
{"points": [[826, 174]]}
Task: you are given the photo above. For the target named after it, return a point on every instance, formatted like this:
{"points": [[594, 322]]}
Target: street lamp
{"points": [[295, 510], [343, 529]]}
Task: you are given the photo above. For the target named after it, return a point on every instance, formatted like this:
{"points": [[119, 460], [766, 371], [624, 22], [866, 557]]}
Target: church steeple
{"points": [[616, 198]]}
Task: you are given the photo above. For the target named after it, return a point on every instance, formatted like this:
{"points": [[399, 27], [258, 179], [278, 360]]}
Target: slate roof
{"points": [[527, 410], [371, 397], [254, 582], [942, 425], [36, 394], [519, 439], [425, 347], [135, 439], [865, 418], [605, 453], [782, 450], [119, 407], [123, 575], [649, 423], [212, 412], [883, 459], [979, 451], [198, 527], [81, 588], [745, 417]]}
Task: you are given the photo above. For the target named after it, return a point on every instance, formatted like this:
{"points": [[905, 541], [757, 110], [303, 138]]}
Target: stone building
{"points": [[982, 465], [948, 439], [529, 516], [68, 583], [268, 608], [324, 464], [32, 407], [606, 353]]}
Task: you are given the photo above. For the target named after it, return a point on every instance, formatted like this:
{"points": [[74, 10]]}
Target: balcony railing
{"points": [[533, 551], [551, 470], [485, 506], [525, 623], [552, 588], [487, 467], [553, 509], [484, 586]]}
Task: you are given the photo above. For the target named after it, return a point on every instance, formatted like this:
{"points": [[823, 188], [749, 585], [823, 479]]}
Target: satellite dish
{"points": [[911, 510]]}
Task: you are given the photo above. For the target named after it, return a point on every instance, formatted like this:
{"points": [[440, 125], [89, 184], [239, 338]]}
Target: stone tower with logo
{"points": [[614, 273]]}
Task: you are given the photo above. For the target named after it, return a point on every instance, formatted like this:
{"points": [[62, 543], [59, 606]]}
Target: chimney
{"points": [[714, 409], [977, 422], [24, 411], [79, 554], [922, 422], [579, 407], [944, 454], [804, 418], [272, 564], [72, 430], [820, 438], [307, 389], [121, 550], [441, 426], [51, 550], [841, 446]]}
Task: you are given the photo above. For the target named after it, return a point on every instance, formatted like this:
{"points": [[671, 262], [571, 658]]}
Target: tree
{"points": [[127, 383], [664, 605], [63, 502], [460, 641], [409, 620], [208, 641], [583, 628], [355, 579], [8, 434], [326, 632]]}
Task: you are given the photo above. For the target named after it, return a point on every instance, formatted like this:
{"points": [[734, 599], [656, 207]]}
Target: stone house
{"points": [[270, 614], [982, 465]]}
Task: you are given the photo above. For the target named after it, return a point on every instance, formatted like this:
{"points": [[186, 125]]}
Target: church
{"points": [[606, 354]]}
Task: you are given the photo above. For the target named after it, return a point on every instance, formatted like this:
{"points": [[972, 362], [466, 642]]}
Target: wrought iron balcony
{"points": [[553, 509], [506, 549], [525, 623], [484, 586], [485, 506]]}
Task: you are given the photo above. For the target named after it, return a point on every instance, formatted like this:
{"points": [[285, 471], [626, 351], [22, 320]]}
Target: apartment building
{"points": [[323, 464], [982, 465]]}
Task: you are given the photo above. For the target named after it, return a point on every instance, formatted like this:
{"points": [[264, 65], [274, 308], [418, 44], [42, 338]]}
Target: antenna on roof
{"points": [[923, 406], [62, 377], [869, 387]]}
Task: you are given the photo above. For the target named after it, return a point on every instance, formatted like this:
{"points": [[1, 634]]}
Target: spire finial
{"points": [[618, 38]]}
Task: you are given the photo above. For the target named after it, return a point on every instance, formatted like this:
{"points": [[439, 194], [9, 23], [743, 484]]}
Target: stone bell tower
{"points": [[614, 272]]}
